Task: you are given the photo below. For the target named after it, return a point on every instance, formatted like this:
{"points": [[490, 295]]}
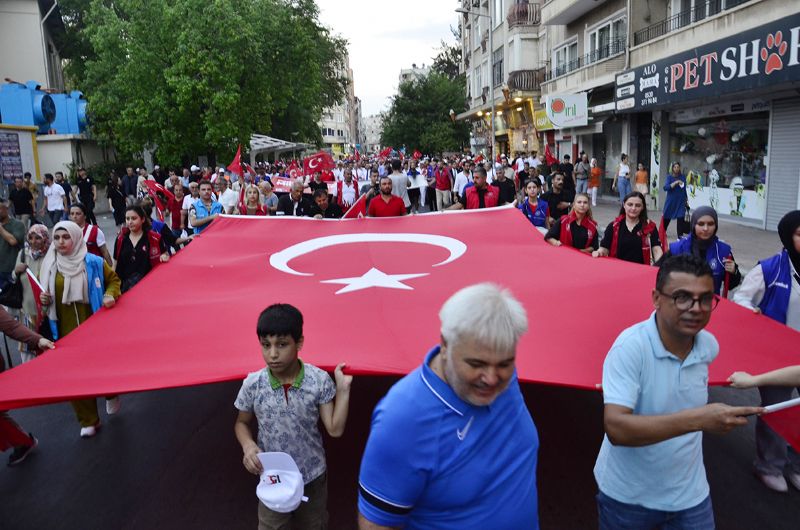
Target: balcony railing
{"points": [[526, 80], [524, 14], [611, 49], [700, 11]]}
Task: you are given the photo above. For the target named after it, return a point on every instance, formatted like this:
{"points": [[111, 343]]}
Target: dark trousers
{"points": [[89, 211], [683, 226]]}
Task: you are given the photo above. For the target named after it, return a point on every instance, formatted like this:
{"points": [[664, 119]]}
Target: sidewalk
{"points": [[749, 244]]}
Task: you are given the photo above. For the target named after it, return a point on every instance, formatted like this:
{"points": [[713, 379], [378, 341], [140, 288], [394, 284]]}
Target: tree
{"points": [[448, 61], [196, 77], [419, 116]]}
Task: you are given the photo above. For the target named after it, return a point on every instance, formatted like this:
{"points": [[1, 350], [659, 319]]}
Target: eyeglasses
{"points": [[684, 301]]}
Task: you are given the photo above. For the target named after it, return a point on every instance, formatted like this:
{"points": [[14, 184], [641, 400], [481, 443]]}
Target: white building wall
{"points": [[22, 56]]}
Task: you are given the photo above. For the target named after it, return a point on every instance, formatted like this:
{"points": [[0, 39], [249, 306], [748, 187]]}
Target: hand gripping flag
{"points": [[319, 162], [161, 197], [397, 271], [784, 419]]}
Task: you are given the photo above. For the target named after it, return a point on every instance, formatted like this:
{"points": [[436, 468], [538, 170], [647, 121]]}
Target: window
{"points": [[499, 15], [478, 86], [607, 39], [566, 58], [476, 33], [339, 133], [497, 67]]}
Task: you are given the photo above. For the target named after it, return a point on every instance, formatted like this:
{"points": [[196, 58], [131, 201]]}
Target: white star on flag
{"points": [[374, 278]]}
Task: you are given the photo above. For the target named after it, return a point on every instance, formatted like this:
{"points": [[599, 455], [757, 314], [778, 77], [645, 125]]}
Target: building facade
{"points": [[27, 49], [373, 129], [506, 69], [340, 125], [414, 73], [710, 84]]}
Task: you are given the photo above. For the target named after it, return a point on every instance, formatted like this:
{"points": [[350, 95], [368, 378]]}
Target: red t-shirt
{"points": [[380, 208], [174, 207]]}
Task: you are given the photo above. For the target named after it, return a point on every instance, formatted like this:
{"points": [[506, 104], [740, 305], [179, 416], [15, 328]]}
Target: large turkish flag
{"points": [[370, 290]]}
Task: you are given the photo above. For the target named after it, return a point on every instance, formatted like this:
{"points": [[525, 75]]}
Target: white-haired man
{"points": [[295, 202], [452, 444]]}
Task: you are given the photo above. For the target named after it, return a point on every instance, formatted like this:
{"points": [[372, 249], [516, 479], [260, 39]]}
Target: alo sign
{"points": [[567, 110], [760, 57]]}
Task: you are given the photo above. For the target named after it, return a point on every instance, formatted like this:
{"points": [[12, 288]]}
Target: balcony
{"points": [[700, 11], [526, 80], [524, 14], [611, 49], [563, 12]]}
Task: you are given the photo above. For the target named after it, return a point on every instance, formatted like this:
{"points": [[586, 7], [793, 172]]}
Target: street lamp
{"points": [[490, 16]]}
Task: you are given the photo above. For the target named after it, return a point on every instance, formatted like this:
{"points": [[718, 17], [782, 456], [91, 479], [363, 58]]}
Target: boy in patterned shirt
{"points": [[288, 398]]}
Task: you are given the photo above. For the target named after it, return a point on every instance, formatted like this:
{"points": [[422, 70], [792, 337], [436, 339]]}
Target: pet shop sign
{"points": [[760, 57]]}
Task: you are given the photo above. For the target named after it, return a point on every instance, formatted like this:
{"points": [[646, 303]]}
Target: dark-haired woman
{"points": [[536, 210], [138, 248], [92, 235], [631, 236], [675, 204], [577, 229], [702, 241], [116, 199]]}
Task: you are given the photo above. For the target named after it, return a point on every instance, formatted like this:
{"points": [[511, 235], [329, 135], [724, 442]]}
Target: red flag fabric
{"points": [[479, 159], [662, 235], [398, 271], [36, 290], [784, 419], [318, 162], [236, 165], [386, 152], [358, 209], [417, 155], [357, 156], [548, 156], [294, 170], [161, 197]]}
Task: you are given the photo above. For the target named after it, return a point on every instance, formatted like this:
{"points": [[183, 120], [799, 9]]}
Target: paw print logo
{"points": [[775, 49]]}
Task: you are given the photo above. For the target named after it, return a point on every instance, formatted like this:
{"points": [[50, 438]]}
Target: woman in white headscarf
{"points": [[77, 283], [31, 257]]}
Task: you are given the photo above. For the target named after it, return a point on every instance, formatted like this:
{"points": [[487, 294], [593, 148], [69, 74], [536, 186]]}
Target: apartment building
{"points": [[373, 129], [710, 84], [414, 73], [340, 124], [505, 69]]}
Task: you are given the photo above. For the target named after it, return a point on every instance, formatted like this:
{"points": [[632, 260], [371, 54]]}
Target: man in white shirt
{"points": [[226, 196], [338, 173], [534, 161], [463, 178], [55, 199], [188, 201]]}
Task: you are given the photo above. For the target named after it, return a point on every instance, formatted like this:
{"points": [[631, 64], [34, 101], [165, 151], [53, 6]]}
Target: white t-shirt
{"points": [[534, 162], [228, 199], [462, 179], [188, 201], [349, 193], [624, 170], [54, 194]]}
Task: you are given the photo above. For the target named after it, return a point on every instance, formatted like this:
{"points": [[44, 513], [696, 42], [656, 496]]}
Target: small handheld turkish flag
{"points": [[548, 156], [318, 162], [236, 165], [359, 209], [386, 152], [417, 154], [161, 196], [294, 170]]}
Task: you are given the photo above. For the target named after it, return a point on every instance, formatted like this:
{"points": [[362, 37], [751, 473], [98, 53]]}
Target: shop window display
{"points": [[723, 158]]}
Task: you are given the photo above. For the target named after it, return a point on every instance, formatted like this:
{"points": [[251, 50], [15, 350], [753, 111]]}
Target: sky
{"points": [[385, 36]]}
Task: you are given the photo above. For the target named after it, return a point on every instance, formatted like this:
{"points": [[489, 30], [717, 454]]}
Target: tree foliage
{"points": [[448, 59], [198, 77], [419, 115]]}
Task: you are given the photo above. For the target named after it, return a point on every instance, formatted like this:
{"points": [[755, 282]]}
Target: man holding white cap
{"points": [[452, 445]]}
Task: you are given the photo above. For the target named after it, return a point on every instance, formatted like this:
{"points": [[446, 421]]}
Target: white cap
{"points": [[281, 485], [221, 170], [194, 168], [156, 167]]}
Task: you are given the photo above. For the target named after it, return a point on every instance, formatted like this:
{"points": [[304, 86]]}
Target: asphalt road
{"points": [[169, 460]]}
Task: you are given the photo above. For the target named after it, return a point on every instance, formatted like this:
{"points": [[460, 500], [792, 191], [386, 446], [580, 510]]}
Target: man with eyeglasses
{"points": [[655, 388]]}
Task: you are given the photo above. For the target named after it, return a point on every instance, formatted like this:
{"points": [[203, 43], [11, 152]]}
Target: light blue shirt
{"points": [[640, 374], [436, 462]]}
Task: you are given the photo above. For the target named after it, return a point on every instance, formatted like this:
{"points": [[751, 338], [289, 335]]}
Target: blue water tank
{"points": [[70, 113], [26, 105]]}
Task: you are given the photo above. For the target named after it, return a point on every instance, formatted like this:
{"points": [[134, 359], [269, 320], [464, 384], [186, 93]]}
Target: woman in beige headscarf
{"points": [[31, 257], [77, 283]]}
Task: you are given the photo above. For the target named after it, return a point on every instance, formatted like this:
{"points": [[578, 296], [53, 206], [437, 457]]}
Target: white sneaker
{"points": [[794, 478], [88, 432], [113, 405], [774, 482]]}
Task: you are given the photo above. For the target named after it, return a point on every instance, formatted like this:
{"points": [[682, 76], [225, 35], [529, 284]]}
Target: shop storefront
{"points": [[728, 112]]}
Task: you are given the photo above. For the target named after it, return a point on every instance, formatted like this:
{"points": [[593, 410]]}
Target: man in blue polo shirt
{"points": [[452, 444], [205, 209], [650, 468]]}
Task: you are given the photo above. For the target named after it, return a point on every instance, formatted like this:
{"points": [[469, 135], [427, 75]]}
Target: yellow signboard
{"points": [[541, 121]]}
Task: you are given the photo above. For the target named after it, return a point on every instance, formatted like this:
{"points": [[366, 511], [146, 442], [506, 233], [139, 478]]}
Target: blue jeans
{"points": [[615, 515], [581, 185], [623, 187]]}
